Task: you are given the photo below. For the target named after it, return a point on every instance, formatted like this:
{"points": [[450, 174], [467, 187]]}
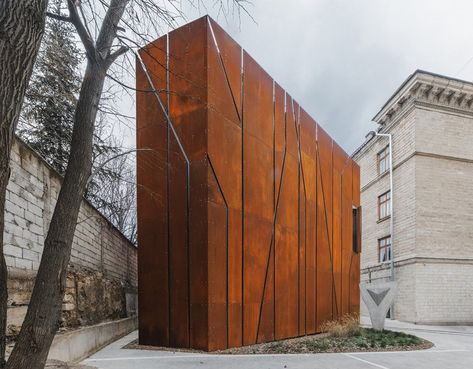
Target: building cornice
{"points": [[413, 154], [413, 259], [430, 89]]}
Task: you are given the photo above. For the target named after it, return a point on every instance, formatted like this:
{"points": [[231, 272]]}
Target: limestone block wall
{"points": [[432, 127], [444, 132], [103, 262], [444, 203], [444, 293]]}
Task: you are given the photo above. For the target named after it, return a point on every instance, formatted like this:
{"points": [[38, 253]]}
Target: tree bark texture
{"points": [[42, 319], [21, 29], [44, 310]]}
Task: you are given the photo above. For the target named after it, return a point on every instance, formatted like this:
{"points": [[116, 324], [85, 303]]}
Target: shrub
{"points": [[347, 326]]}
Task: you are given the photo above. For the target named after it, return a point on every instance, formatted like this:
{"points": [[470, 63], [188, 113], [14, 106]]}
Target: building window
{"points": [[384, 249], [384, 205], [356, 236], [383, 160]]}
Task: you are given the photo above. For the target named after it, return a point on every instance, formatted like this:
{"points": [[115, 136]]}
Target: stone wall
{"points": [[444, 203], [373, 185], [432, 128], [103, 267]]}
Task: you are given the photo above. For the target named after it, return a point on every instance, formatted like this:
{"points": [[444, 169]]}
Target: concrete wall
{"points": [[76, 345], [103, 262]]}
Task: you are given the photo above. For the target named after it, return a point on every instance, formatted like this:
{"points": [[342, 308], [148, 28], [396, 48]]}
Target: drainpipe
{"points": [[391, 220]]}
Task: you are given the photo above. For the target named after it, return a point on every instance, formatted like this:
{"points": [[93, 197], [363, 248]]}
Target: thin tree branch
{"points": [[112, 158], [84, 19], [113, 56], [59, 17], [81, 31], [129, 87]]}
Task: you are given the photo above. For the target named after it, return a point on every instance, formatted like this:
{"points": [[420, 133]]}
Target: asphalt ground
{"points": [[453, 349]]}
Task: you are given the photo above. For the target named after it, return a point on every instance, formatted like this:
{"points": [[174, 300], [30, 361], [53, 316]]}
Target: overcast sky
{"points": [[342, 59]]}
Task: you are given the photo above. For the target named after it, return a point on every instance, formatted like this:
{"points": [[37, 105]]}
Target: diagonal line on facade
{"points": [[181, 148], [326, 222], [222, 64], [273, 231], [226, 235]]}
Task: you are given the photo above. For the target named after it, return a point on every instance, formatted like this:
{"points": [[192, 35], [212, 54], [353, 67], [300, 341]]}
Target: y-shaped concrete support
{"points": [[378, 297]]}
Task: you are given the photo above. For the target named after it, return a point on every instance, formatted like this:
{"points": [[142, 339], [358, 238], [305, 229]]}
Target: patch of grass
{"points": [[347, 333], [339, 340], [369, 339], [390, 338]]}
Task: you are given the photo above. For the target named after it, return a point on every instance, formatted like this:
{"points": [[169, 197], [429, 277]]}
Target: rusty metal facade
{"points": [[245, 204]]}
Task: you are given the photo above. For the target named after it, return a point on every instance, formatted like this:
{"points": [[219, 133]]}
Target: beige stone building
{"points": [[430, 118]]}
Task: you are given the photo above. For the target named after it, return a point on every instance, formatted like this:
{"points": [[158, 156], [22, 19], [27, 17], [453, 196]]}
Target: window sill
{"points": [[383, 219], [381, 175]]}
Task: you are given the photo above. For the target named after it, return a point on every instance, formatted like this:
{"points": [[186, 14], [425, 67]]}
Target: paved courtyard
{"points": [[453, 350]]}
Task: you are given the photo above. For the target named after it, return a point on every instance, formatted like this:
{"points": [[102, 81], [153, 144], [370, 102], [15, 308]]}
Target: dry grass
{"points": [[346, 326]]}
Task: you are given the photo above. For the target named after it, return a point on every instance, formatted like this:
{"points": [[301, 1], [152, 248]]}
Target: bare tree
{"points": [[98, 24], [21, 30], [42, 318], [118, 193]]}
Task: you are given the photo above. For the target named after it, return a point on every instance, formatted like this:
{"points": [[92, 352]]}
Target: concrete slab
{"points": [[78, 344]]}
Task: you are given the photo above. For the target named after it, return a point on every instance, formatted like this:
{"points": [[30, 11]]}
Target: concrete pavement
{"points": [[453, 350]]}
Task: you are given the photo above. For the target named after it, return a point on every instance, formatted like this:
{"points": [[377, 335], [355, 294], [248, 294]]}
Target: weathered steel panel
{"points": [[188, 247], [287, 237], [230, 53], [151, 134], [308, 165], [325, 286], [245, 204], [258, 199], [339, 164], [347, 199]]}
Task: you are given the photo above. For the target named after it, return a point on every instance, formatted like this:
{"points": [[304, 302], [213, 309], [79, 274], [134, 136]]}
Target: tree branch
{"points": [[128, 87], [113, 56], [108, 30], [81, 31], [59, 17], [113, 158]]}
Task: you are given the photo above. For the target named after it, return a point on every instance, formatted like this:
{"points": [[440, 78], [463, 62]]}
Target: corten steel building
{"points": [[430, 118], [248, 211]]}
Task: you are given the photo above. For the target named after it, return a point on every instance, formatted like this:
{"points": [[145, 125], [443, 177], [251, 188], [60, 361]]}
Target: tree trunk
{"points": [[21, 28], [44, 310]]}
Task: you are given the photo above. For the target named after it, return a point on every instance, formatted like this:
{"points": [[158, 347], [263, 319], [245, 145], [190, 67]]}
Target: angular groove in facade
{"points": [[245, 204]]}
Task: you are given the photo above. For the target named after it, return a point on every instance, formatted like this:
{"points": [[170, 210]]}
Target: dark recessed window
{"points": [[356, 241], [384, 205], [383, 160], [384, 249]]}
